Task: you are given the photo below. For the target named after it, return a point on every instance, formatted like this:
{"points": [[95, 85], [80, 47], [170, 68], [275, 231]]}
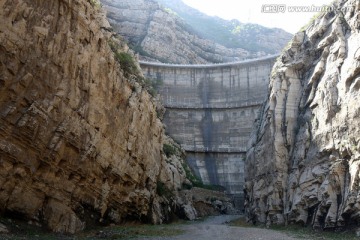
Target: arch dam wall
{"points": [[210, 110]]}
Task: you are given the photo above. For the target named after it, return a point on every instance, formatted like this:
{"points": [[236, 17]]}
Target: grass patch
{"points": [[22, 230], [309, 233], [132, 232], [298, 231]]}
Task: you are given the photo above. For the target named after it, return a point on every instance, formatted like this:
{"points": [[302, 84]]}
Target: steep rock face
{"points": [[78, 141], [157, 34], [303, 160], [256, 39]]}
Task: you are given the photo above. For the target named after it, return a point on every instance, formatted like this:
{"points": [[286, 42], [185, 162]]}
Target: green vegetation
{"points": [[169, 149], [231, 34], [236, 30], [143, 231], [140, 50], [197, 182], [300, 232], [127, 63], [309, 233], [130, 68], [170, 11], [95, 3], [126, 60], [22, 230], [311, 21], [163, 191], [152, 85]]}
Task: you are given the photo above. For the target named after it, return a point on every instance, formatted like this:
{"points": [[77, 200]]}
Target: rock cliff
{"points": [[80, 140], [159, 33], [255, 39], [303, 161]]}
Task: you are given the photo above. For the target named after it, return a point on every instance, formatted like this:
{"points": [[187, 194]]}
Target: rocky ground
{"points": [[224, 227], [218, 228]]}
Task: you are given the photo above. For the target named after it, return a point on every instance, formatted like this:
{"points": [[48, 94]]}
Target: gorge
{"points": [[82, 141]]}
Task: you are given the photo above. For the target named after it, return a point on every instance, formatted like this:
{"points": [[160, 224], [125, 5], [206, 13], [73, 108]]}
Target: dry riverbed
{"points": [[219, 228]]}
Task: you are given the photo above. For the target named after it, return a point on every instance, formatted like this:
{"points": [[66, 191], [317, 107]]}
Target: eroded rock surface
{"points": [[159, 35], [303, 161], [79, 142]]}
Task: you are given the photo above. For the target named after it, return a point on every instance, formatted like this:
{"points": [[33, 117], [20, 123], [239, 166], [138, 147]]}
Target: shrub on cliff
{"points": [[169, 150], [125, 59], [127, 63]]}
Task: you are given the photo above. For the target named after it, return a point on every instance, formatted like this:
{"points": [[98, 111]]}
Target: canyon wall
{"points": [[303, 161], [79, 142], [210, 111]]}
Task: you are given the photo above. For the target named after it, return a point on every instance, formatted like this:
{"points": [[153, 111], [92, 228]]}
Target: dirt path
{"points": [[215, 228]]}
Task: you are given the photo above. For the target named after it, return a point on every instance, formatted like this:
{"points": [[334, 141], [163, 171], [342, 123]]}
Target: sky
{"points": [[269, 13]]}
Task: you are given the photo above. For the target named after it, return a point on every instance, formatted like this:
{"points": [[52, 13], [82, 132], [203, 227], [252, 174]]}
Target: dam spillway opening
{"points": [[210, 111]]}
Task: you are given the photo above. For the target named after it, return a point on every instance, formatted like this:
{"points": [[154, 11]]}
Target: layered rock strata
{"points": [[79, 142], [303, 160], [157, 34]]}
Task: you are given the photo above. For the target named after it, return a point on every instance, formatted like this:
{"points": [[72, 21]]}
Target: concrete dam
{"points": [[210, 111]]}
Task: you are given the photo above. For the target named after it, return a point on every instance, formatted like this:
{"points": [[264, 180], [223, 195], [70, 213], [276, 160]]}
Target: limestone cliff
{"points": [[255, 39], [158, 33], [79, 141], [303, 161]]}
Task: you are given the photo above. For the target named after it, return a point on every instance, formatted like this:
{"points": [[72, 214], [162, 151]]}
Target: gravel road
{"points": [[215, 228]]}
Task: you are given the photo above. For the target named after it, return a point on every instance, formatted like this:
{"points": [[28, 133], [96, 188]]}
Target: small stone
{"points": [[357, 232], [3, 229], [190, 212]]}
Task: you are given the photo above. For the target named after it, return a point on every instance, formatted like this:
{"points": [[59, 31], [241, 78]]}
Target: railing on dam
{"points": [[188, 104], [215, 146], [214, 149], [212, 65]]}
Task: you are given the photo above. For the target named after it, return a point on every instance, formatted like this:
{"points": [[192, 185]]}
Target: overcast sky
{"points": [[257, 11]]}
